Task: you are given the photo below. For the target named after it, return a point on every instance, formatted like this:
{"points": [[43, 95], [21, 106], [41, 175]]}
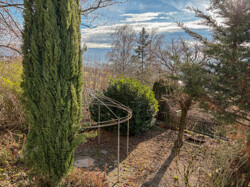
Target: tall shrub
{"points": [[139, 98], [52, 85]]}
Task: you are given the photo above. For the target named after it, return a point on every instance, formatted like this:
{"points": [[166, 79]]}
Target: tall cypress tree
{"points": [[52, 85]]}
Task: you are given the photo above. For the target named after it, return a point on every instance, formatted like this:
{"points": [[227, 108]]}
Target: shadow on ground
{"points": [[106, 151], [155, 181]]}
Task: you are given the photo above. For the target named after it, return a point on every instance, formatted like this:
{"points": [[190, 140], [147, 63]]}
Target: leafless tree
{"points": [[10, 26], [11, 21], [154, 68], [171, 57], [121, 55], [89, 10]]}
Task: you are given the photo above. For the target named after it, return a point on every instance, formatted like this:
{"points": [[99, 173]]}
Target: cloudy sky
{"points": [[151, 14]]}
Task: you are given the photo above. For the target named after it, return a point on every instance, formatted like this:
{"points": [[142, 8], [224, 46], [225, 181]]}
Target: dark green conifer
{"points": [[141, 50], [52, 85], [227, 67]]}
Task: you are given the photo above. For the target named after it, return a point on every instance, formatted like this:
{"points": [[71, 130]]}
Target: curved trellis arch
{"points": [[91, 98]]}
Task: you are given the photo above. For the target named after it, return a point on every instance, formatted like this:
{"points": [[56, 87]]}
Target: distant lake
{"points": [[96, 54], [99, 54]]}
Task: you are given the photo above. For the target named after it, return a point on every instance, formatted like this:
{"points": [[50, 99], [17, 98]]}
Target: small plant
{"points": [[11, 147], [188, 170], [139, 98], [12, 170]]}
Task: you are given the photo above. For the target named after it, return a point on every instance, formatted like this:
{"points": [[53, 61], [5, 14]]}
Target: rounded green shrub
{"points": [[139, 98]]}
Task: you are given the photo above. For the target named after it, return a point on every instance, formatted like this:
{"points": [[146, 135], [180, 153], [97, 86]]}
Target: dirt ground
{"points": [[152, 161]]}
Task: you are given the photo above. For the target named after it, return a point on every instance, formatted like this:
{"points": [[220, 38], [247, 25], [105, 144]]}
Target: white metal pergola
{"points": [[91, 98]]}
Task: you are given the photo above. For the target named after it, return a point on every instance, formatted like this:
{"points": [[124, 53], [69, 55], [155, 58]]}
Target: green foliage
{"points": [[11, 76], [228, 55], [164, 111], [161, 88], [12, 171], [139, 98], [10, 148], [143, 43], [193, 77], [52, 85]]}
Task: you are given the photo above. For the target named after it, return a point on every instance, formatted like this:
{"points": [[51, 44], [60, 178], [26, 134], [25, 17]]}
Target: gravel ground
{"points": [[151, 160]]}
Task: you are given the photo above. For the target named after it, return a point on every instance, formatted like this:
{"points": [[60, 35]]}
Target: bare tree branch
{"points": [[90, 10], [97, 4], [11, 21], [6, 5], [12, 48], [121, 55]]}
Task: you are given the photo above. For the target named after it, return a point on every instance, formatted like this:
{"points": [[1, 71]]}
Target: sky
{"points": [[151, 14]]}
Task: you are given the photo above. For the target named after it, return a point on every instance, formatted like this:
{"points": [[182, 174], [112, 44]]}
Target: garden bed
{"points": [[151, 160]]}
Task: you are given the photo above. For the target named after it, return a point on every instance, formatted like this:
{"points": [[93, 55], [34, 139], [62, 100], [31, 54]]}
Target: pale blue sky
{"points": [[151, 14]]}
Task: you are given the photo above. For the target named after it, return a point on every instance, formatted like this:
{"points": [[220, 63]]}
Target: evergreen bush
{"points": [[139, 98]]}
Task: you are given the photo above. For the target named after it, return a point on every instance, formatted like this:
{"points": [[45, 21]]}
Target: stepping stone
{"points": [[104, 152], [84, 162]]}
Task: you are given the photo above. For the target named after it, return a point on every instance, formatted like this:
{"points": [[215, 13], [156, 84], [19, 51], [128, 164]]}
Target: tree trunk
{"points": [[185, 104]]}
